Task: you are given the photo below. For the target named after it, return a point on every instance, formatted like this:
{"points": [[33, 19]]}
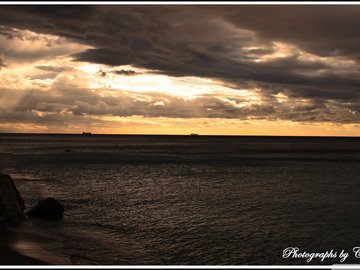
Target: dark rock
{"points": [[48, 208], [12, 205]]}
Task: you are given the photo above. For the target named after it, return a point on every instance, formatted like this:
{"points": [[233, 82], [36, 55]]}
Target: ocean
{"points": [[189, 200]]}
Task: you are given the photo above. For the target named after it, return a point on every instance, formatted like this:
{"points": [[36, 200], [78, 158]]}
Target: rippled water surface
{"points": [[189, 199]]}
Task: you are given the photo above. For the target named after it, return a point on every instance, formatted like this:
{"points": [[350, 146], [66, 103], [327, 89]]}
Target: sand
{"points": [[24, 249]]}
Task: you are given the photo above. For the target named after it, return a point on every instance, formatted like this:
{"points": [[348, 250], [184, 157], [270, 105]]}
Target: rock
{"points": [[48, 208], [12, 205]]}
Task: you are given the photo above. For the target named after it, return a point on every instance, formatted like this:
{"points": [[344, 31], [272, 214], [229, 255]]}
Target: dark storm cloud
{"points": [[5, 32], [54, 68], [218, 42], [69, 102], [324, 30], [49, 75], [2, 63], [104, 56], [101, 73], [125, 72]]}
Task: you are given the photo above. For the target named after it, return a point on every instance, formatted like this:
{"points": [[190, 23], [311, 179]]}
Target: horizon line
{"points": [[189, 135]]}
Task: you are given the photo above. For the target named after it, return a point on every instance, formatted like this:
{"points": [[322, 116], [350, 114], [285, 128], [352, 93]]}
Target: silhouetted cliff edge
{"points": [[12, 205], [12, 208]]}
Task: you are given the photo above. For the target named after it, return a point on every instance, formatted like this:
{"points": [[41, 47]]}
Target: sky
{"points": [[180, 69]]}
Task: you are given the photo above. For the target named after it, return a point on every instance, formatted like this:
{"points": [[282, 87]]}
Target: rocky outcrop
{"points": [[12, 205], [48, 208]]}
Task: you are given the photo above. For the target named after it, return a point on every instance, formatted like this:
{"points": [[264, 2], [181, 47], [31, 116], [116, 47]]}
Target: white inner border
{"points": [[309, 3]]}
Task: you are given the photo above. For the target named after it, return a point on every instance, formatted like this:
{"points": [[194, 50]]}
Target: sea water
{"points": [[189, 200]]}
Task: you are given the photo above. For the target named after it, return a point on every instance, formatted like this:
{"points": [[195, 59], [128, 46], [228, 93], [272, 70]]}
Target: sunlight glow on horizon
{"points": [[181, 126], [57, 73]]}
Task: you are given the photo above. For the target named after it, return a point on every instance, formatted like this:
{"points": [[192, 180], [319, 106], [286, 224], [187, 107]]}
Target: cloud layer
{"points": [[301, 63]]}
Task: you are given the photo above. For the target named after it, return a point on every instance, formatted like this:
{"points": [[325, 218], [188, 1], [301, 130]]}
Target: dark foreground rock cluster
{"points": [[12, 205], [48, 208]]}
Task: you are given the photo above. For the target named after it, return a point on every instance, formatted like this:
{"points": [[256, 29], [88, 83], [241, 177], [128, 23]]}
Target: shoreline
{"points": [[9, 255], [24, 249]]}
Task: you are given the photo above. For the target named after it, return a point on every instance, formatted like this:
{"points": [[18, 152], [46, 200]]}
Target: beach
{"points": [[25, 249], [9, 255]]}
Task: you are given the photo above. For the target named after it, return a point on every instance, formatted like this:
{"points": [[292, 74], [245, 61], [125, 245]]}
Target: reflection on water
{"points": [[189, 199], [35, 249]]}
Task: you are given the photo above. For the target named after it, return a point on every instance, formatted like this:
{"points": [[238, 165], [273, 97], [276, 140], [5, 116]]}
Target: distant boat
{"points": [[194, 134], [86, 133]]}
